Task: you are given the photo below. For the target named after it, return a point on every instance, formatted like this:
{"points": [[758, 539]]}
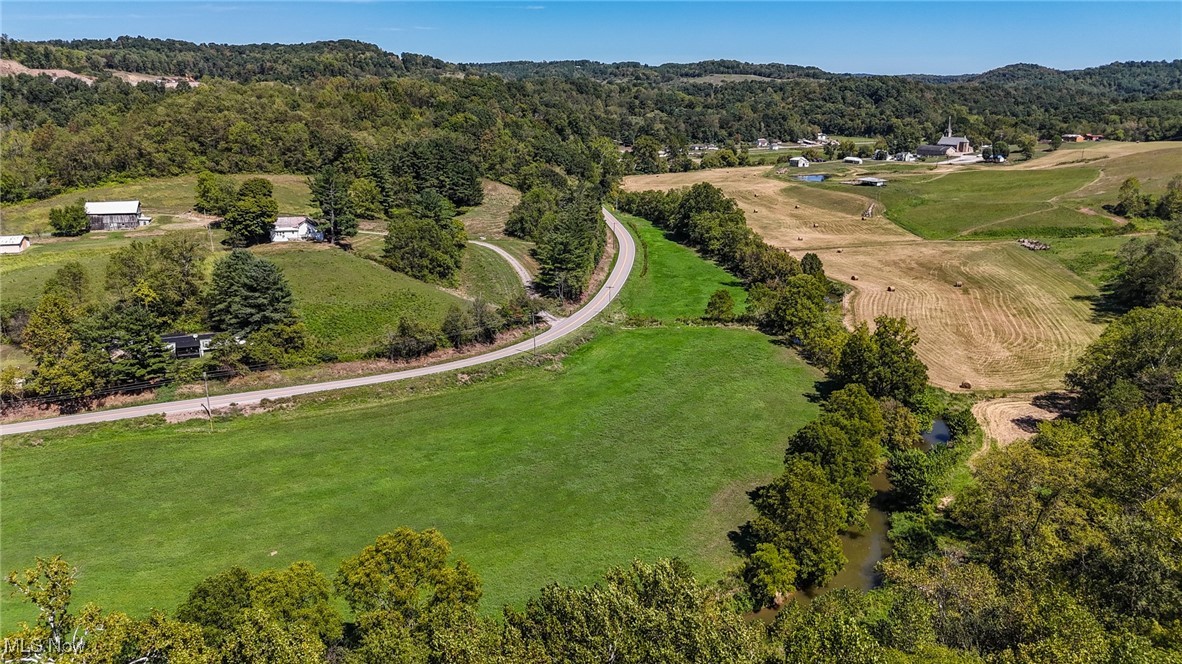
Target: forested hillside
{"points": [[354, 98], [245, 63]]}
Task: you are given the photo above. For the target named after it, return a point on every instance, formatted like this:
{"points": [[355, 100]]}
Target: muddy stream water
{"points": [[865, 549]]}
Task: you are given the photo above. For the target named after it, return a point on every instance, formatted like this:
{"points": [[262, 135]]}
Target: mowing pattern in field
{"points": [[1018, 322], [486, 275], [989, 202], [350, 303], [641, 443]]}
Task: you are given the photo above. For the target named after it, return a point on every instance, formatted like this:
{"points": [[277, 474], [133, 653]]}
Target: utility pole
{"points": [[208, 410]]}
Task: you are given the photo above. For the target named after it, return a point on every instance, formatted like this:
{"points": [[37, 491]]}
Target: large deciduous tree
{"points": [[215, 194], [800, 513], [885, 361], [1134, 362], [426, 242], [253, 213], [69, 220], [404, 577]]}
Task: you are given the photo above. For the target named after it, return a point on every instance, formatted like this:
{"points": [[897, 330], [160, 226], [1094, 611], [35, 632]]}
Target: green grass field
{"points": [[989, 203], [638, 443], [348, 302], [162, 196], [679, 284], [1093, 258], [485, 274]]}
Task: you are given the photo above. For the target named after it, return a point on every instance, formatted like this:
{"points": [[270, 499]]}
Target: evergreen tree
{"points": [[247, 294], [331, 190]]}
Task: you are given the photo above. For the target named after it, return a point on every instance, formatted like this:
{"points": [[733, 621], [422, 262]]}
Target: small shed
{"points": [[761, 143], [13, 244], [115, 215], [798, 162], [872, 182], [1072, 138], [852, 160]]}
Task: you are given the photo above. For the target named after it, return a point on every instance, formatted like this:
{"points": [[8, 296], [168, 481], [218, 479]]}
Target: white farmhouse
{"points": [[289, 229]]}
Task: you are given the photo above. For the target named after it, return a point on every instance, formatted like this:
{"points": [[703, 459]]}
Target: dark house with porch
{"points": [[185, 346]]}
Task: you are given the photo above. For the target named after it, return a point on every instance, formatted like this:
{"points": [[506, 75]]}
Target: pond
{"points": [[938, 436], [812, 178]]}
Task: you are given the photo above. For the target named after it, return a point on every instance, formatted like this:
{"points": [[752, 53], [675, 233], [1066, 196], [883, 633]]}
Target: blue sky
{"points": [[873, 37]]}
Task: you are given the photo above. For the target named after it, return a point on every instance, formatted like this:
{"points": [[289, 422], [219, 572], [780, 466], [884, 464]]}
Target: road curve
{"points": [[522, 273], [559, 329]]}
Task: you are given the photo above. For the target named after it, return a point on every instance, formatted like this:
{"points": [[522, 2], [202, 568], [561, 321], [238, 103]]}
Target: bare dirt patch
{"points": [[1009, 419], [1016, 323]]}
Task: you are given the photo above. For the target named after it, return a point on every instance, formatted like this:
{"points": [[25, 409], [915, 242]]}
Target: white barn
{"points": [[290, 229], [798, 162]]}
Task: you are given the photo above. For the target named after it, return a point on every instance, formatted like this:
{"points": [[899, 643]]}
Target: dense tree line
{"points": [[288, 63], [1149, 270], [65, 133], [1066, 547]]}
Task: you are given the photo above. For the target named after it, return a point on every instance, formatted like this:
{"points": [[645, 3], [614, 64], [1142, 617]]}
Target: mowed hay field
{"points": [[640, 443], [1018, 322]]}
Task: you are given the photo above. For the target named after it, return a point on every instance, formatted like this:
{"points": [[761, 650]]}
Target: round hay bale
{"points": [[839, 251], [816, 225], [797, 207], [958, 284], [890, 289], [854, 278], [799, 238], [966, 385]]}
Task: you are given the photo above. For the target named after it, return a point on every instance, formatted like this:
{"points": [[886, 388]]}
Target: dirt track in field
{"points": [[1017, 322], [1008, 419]]}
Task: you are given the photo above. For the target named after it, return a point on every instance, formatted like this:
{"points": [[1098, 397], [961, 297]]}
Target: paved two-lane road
{"points": [[559, 329]]}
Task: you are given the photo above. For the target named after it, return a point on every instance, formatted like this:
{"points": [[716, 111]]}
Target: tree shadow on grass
{"points": [[743, 540], [1060, 403], [1105, 306], [823, 387]]}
